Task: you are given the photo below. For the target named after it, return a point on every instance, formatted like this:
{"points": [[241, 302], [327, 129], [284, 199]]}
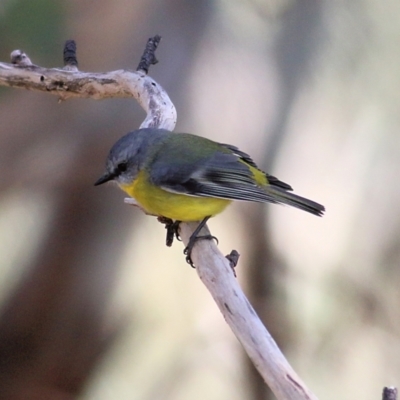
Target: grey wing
{"points": [[221, 175]]}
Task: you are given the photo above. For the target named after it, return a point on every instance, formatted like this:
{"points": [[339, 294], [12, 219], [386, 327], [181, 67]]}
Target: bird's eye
{"points": [[122, 166]]}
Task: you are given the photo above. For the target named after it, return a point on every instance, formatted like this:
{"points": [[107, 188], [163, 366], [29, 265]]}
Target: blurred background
{"points": [[93, 306]]}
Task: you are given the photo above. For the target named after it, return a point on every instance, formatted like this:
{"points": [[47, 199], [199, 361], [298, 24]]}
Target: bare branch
{"points": [[213, 268], [67, 84], [217, 275]]}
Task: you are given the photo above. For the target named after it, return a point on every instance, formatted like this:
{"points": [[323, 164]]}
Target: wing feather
{"points": [[223, 174], [222, 177]]}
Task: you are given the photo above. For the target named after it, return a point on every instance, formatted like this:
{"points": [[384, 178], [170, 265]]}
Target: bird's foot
{"points": [[192, 241], [194, 238], [172, 228]]}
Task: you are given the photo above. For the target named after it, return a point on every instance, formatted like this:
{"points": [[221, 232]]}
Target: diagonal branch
{"points": [[219, 278], [213, 268]]}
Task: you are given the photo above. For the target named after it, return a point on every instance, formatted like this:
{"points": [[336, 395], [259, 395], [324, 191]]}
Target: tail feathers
{"points": [[283, 197]]}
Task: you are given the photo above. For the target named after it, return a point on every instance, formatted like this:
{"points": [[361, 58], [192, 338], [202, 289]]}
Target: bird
{"points": [[182, 177]]}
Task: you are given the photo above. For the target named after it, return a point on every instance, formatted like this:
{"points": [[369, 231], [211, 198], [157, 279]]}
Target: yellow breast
{"points": [[178, 207]]}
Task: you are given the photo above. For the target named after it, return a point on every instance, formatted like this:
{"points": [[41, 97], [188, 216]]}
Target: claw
{"points": [[172, 228], [194, 238]]}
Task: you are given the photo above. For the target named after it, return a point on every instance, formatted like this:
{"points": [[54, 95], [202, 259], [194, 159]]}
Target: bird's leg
{"points": [[194, 238], [172, 228]]}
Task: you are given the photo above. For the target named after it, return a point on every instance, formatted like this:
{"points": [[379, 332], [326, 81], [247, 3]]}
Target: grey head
{"points": [[128, 155]]}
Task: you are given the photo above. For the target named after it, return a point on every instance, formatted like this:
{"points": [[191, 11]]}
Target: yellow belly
{"points": [[178, 207]]}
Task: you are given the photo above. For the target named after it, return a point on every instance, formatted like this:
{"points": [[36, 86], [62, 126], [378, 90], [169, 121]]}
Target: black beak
{"points": [[105, 178]]}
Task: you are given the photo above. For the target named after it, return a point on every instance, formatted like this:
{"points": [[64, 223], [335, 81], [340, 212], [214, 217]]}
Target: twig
{"points": [[70, 59], [149, 57], [19, 58], [213, 268], [389, 393]]}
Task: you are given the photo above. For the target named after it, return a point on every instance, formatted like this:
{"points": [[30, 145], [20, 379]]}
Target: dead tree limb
{"points": [[213, 268], [67, 82]]}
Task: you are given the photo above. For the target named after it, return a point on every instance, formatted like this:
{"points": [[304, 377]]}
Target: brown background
{"points": [[93, 306]]}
